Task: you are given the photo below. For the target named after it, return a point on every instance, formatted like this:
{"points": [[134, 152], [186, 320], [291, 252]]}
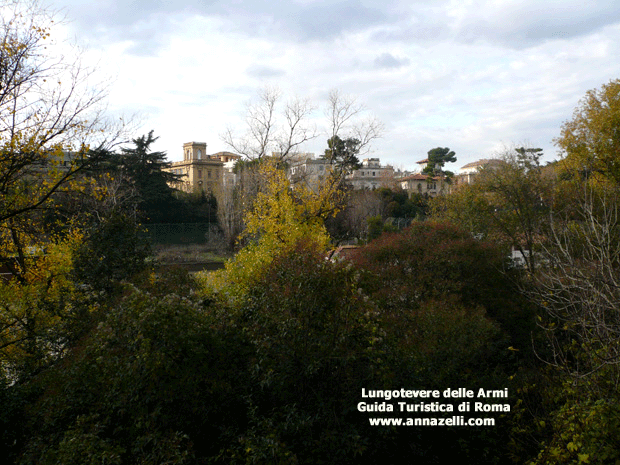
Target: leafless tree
{"points": [[230, 212], [273, 129], [578, 288], [269, 131], [347, 118]]}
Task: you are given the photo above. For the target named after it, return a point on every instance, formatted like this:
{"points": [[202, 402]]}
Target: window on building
{"points": [[199, 174]]}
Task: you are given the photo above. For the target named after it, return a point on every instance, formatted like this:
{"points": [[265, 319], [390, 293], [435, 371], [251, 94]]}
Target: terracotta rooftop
{"points": [[482, 162]]}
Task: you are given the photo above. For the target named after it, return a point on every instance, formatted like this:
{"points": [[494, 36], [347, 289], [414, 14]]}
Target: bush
{"points": [[153, 383], [437, 261], [316, 346], [114, 251]]}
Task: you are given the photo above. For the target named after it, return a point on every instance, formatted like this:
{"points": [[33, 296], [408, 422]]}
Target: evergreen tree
{"points": [[437, 158], [342, 153], [146, 169]]}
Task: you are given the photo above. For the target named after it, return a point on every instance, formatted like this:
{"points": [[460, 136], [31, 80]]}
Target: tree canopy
{"points": [[591, 138], [342, 154], [437, 158], [152, 182], [50, 117]]}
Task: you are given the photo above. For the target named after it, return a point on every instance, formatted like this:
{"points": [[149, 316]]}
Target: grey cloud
{"points": [[147, 24], [318, 20], [321, 20], [516, 24], [421, 33], [116, 14], [387, 60], [529, 23], [327, 20], [261, 71]]}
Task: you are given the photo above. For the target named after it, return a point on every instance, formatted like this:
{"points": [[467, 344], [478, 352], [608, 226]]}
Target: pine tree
{"points": [[146, 169]]}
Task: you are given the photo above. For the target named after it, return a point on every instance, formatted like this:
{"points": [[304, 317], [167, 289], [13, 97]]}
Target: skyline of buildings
{"points": [[208, 172]]}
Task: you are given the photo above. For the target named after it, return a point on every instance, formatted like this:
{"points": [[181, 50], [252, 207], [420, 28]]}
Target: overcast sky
{"points": [[470, 75]]}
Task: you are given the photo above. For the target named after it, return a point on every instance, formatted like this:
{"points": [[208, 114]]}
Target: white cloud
{"points": [[468, 75]]}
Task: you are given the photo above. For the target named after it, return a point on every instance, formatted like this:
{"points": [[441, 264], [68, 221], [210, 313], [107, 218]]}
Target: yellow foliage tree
{"points": [[34, 309], [49, 114], [280, 217], [591, 139]]}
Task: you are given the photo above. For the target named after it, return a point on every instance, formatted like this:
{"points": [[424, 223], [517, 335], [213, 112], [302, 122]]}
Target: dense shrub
{"points": [[430, 262], [113, 251], [316, 346], [322, 331], [450, 318], [174, 374], [153, 383]]}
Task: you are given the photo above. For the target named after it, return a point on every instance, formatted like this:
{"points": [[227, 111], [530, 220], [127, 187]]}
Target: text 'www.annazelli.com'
{"points": [[452, 421]]}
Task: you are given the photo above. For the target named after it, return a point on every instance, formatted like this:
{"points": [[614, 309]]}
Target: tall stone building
{"points": [[201, 172]]}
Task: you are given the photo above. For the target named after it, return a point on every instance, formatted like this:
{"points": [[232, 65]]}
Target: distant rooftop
{"points": [[482, 162]]}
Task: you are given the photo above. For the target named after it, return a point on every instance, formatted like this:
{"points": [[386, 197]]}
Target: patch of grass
{"points": [[190, 253]]}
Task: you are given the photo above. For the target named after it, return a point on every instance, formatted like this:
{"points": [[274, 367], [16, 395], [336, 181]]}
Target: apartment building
{"points": [[372, 175]]}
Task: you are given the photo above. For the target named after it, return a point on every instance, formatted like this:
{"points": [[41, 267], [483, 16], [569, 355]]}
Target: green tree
{"points": [[430, 261], [468, 206], [399, 204], [146, 170], [342, 154], [316, 345], [448, 316], [520, 197], [437, 158], [508, 203], [152, 383], [112, 252], [375, 227]]}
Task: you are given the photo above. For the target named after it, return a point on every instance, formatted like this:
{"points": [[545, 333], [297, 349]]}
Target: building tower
{"points": [[194, 151]]}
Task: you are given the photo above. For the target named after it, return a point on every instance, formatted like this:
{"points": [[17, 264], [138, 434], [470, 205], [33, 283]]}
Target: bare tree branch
{"points": [[268, 130], [579, 290]]}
